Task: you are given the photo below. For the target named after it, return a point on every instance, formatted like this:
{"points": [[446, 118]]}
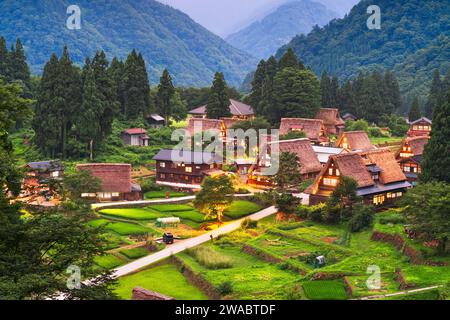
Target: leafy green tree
{"points": [[78, 183], [288, 175], [215, 197], [287, 203], [293, 135], [257, 123], [344, 195], [164, 96], [296, 94], [426, 210], [362, 217], [178, 106], [414, 111], [219, 100], [436, 161]]}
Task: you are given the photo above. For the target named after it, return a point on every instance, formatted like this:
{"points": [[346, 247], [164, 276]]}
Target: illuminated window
{"points": [[55, 174], [407, 169], [338, 173], [330, 171], [378, 199], [330, 182], [88, 195], [162, 164], [115, 194], [188, 169]]}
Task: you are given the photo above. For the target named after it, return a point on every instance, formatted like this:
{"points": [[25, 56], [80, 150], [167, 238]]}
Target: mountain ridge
{"points": [[167, 37], [263, 37]]}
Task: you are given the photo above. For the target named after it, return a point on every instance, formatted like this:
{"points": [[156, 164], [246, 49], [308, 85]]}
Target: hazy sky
{"points": [[227, 16]]}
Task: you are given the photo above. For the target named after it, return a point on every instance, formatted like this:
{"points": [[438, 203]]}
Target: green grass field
{"points": [[325, 290], [241, 208], [132, 213], [108, 261], [134, 253], [126, 229], [165, 279], [162, 195], [171, 207]]}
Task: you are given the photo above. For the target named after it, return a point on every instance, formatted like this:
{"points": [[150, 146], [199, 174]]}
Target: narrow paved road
{"points": [[400, 293], [189, 243]]}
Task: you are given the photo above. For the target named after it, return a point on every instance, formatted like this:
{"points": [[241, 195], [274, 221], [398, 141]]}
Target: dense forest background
{"points": [[413, 41]]}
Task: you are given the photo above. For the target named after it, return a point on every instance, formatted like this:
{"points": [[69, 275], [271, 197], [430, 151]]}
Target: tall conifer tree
{"points": [[219, 100]]}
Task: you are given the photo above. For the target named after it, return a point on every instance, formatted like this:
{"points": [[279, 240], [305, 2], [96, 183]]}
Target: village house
{"points": [[185, 169], [420, 127], [155, 121], [349, 117], [135, 137], [332, 120], [238, 110], [314, 129], [410, 155], [37, 180], [378, 175], [116, 183], [309, 163], [354, 141]]}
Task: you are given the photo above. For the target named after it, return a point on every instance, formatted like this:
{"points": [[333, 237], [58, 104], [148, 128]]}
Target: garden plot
{"points": [[325, 290], [359, 287], [250, 277]]}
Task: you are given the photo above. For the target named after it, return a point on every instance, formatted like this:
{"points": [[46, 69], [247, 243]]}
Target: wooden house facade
{"points": [[378, 175], [419, 128], [135, 137], [410, 155], [185, 169]]}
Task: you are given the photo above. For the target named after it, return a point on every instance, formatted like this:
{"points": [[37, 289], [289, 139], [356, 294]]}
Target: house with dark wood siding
{"points": [[185, 169], [420, 127], [135, 137], [410, 155]]}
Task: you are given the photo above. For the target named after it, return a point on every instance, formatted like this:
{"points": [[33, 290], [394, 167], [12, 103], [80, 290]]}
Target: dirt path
{"points": [[400, 293]]}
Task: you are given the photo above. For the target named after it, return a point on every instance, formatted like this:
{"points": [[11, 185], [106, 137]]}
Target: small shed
{"points": [[135, 137], [156, 121]]}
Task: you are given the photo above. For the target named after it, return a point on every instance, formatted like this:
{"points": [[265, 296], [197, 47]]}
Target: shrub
{"points": [[314, 213], [394, 218], [149, 185], [249, 224], [362, 218], [209, 258], [375, 132], [287, 203], [294, 293], [359, 125], [267, 198], [225, 288], [242, 191]]}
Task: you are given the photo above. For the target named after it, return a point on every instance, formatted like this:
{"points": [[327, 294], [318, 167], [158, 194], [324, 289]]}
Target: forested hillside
{"points": [[262, 38], [165, 36], [414, 39]]}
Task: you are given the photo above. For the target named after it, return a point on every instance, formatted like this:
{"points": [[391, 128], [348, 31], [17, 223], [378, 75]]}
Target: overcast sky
{"points": [[227, 16]]}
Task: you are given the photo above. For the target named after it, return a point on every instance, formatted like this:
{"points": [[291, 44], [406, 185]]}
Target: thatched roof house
{"points": [[314, 129], [237, 109], [331, 119], [379, 177], [354, 141]]}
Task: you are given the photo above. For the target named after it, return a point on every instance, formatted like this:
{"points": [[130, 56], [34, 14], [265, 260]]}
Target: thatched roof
{"points": [[309, 163], [313, 128], [114, 177], [385, 160], [417, 144], [330, 116], [355, 140]]}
